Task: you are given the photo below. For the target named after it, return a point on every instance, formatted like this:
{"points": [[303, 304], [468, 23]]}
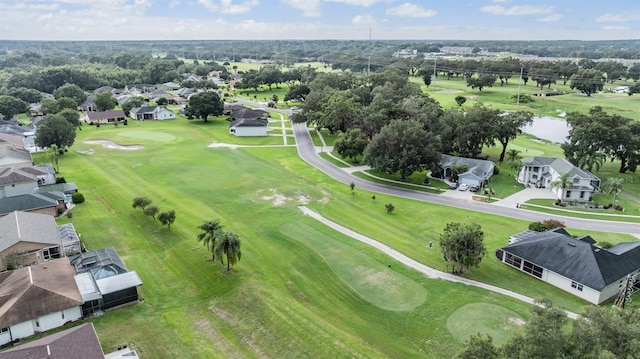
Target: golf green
{"points": [[484, 318], [374, 281], [148, 135]]}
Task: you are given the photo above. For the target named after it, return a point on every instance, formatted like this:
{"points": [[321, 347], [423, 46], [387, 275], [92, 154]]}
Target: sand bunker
{"points": [[113, 145], [278, 199]]}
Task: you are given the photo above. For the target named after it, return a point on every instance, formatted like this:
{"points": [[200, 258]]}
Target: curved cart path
{"points": [[426, 270]]}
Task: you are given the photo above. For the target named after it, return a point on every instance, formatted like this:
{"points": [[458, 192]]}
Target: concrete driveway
{"points": [[525, 195]]}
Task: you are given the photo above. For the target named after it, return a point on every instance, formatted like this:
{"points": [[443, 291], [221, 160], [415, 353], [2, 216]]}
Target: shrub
{"points": [[77, 198], [61, 180], [538, 227], [496, 169], [553, 223], [389, 207], [60, 210], [618, 208]]}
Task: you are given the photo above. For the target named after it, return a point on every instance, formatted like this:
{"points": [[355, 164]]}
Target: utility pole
{"points": [[435, 62], [369, 64], [519, 85]]}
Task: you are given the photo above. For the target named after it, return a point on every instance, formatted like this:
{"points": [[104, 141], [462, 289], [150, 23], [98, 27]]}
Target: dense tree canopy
{"points": [[599, 333], [55, 129], [588, 81], [404, 147], [203, 105], [11, 106], [104, 101], [71, 91], [462, 246]]}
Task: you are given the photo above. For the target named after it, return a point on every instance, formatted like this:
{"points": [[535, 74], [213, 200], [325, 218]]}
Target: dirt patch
{"points": [[88, 152], [324, 199], [517, 321], [113, 145], [278, 199]]}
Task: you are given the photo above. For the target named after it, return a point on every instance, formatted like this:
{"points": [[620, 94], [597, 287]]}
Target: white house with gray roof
{"points": [[573, 264], [541, 172], [151, 113], [477, 173]]}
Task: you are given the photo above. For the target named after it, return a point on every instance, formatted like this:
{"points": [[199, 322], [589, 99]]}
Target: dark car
{"points": [[474, 188], [453, 185]]}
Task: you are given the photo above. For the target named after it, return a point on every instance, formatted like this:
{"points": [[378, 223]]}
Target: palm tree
{"points": [[613, 185], [513, 154], [211, 231], [229, 245], [563, 182], [54, 152], [592, 159]]}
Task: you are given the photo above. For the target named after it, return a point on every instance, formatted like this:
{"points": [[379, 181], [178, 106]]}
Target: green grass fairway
{"points": [[300, 290], [147, 135], [374, 281], [490, 319]]}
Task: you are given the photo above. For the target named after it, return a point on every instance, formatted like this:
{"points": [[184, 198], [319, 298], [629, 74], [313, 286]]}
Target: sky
{"points": [[319, 19]]}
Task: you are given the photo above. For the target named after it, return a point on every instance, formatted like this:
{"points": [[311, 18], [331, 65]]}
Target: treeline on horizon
{"points": [[293, 50]]}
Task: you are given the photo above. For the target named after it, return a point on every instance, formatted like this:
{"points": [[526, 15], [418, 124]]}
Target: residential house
{"points": [[37, 298], [185, 92], [104, 281], [32, 189], [35, 237], [168, 86], [100, 117], [192, 77], [573, 264], [17, 180], [478, 171], [151, 113], [541, 172], [249, 127], [139, 89], [79, 342], [89, 104], [248, 113], [12, 155]]}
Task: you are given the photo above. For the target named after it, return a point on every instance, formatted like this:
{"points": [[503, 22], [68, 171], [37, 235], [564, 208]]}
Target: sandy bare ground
{"points": [[113, 145]]}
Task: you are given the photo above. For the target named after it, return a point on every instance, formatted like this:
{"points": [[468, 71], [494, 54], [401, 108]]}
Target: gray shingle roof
{"points": [[475, 166], [250, 122], [10, 153], [577, 258], [79, 342], [248, 113], [560, 165], [143, 109], [25, 202], [106, 114], [28, 227]]}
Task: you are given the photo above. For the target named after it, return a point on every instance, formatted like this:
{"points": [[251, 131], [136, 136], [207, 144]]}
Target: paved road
{"points": [[308, 153], [428, 271]]}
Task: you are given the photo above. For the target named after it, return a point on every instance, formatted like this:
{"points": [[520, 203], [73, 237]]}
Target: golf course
{"points": [[300, 290]]}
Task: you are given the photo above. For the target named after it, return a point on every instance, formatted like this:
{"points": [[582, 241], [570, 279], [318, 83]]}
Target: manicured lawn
{"points": [[300, 290], [445, 91]]}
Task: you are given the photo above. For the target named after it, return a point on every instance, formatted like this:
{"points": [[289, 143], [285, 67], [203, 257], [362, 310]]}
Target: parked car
{"points": [[463, 187], [453, 185], [474, 188]]}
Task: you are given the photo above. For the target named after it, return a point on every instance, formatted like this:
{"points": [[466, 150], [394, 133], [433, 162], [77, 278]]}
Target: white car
{"points": [[463, 187]]}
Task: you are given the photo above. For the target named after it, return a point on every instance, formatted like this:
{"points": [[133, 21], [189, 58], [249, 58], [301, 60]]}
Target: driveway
{"points": [[525, 195]]}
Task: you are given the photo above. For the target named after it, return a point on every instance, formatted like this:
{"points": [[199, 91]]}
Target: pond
{"points": [[548, 128]]}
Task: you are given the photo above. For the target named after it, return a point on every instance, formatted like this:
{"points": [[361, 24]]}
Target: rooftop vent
{"points": [[571, 244]]}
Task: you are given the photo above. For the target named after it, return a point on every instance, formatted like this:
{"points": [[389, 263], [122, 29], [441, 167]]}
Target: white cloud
{"points": [[550, 18], [365, 3], [363, 20], [309, 8], [615, 28], [174, 3], [622, 17], [516, 10], [411, 10], [228, 7]]}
